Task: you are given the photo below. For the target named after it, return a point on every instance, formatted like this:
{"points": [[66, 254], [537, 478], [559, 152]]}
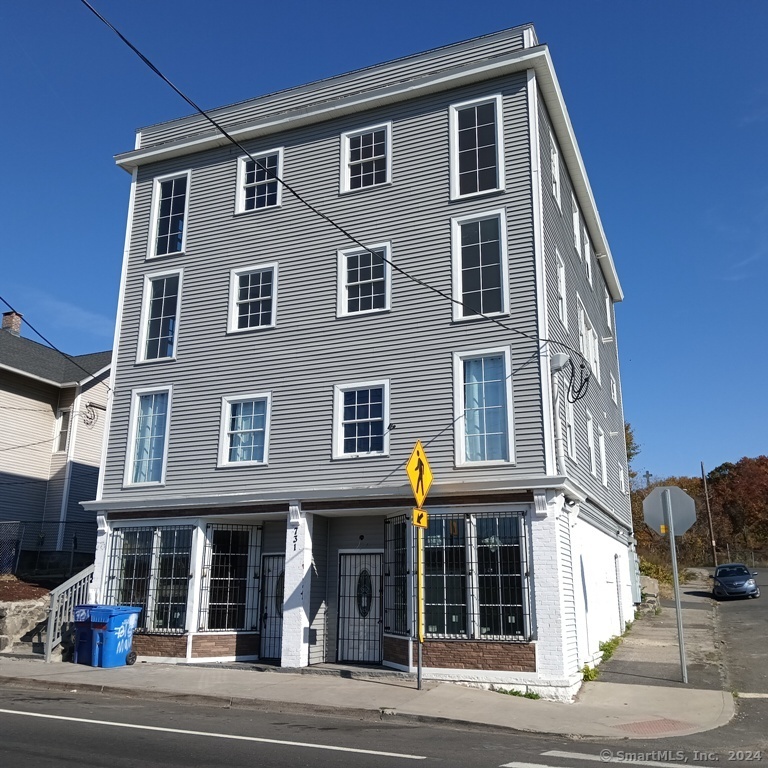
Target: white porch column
{"points": [[103, 534], [298, 579]]}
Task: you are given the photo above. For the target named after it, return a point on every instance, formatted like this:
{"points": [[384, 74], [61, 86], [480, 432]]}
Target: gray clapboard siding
{"points": [[311, 350], [558, 234], [362, 80]]}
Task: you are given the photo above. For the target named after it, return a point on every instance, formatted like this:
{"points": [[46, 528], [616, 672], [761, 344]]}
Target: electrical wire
{"points": [[271, 173]]}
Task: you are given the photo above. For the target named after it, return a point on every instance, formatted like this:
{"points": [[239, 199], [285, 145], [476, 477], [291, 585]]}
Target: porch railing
{"points": [[61, 612]]}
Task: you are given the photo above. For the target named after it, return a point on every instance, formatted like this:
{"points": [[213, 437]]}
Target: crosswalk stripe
{"points": [[607, 756]]}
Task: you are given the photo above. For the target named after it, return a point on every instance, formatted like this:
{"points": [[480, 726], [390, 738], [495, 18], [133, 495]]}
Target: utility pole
{"points": [[709, 515]]}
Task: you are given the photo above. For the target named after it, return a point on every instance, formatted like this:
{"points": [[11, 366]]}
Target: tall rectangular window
{"points": [[483, 405], [554, 168], [570, 428], [361, 418], [474, 576], [562, 306], [608, 310], [588, 342], [480, 265], [149, 436], [62, 430], [160, 316], [476, 147], [169, 214], [591, 458], [601, 455], [150, 567], [364, 280], [257, 184], [622, 478], [244, 430], [588, 260], [366, 157], [576, 225], [253, 297]]}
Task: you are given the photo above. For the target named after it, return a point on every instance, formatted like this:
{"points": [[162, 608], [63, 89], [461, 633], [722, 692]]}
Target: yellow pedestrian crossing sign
{"points": [[419, 473], [420, 518]]}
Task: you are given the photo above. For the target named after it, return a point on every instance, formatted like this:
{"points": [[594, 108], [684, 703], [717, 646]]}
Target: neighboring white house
{"points": [[52, 415], [272, 377]]}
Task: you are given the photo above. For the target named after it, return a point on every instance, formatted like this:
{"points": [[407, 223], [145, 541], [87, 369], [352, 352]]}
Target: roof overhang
{"points": [[537, 58]]}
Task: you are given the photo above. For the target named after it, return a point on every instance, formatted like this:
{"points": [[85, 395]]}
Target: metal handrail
{"points": [[64, 598]]}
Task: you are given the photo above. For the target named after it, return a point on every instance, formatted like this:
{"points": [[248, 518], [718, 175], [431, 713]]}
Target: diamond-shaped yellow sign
{"points": [[419, 473]]}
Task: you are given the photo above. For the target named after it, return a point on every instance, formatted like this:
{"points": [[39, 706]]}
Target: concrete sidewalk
{"points": [[605, 708]]}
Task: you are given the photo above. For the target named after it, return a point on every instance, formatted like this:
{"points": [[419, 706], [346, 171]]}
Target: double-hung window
{"points": [[570, 428], [588, 260], [474, 576], [601, 455], [608, 310], [477, 148], [257, 181], [366, 157], [562, 305], [554, 168], [576, 225], [591, 458], [361, 416], [614, 389], [364, 280], [150, 567], [253, 297], [588, 342], [63, 420], [480, 265], [169, 214], [148, 436], [483, 407], [244, 438], [622, 478], [160, 316]]}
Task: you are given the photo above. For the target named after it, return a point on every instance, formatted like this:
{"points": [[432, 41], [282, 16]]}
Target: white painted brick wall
{"points": [[298, 579]]}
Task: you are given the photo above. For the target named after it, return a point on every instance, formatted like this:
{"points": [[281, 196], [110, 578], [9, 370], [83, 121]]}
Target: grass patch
{"points": [[512, 692]]}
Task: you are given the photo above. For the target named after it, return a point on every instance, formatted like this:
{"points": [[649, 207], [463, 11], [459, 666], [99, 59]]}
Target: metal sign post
{"points": [[666, 503], [420, 600]]}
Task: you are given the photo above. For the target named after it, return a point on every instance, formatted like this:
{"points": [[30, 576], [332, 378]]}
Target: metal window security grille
{"points": [[161, 323], [368, 159], [254, 298], [170, 218], [150, 567], [229, 587], [363, 420], [481, 266], [396, 575], [477, 148], [366, 281], [475, 577], [271, 608], [260, 185], [360, 608]]}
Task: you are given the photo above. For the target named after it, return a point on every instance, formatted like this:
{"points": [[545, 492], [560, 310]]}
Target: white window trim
{"points": [[226, 404], [554, 165], [341, 291], [152, 245], [602, 456], [338, 418], [608, 310], [562, 294], [234, 277], [588, 260], [453, 120], [240, 198], [458, 406], [145, 305], [614, 389], [590, 422], [345, 137], [456, 224], [622, 479], [570, 430], [576, 217], [57, 430], [131, 450], [589, 344]]}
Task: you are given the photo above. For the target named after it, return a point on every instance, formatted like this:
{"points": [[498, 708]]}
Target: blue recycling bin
{"points": [[112, 628], [83, 635]]}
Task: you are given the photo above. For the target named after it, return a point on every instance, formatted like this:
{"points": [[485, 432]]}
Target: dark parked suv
{"points": [[734, 580]]}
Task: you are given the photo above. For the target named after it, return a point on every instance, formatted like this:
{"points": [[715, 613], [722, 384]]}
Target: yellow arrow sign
{"points": [[419, 473], [420, 518]]}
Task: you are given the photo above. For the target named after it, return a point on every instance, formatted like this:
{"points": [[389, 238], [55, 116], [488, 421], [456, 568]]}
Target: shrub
{"points": [[589, 673]]}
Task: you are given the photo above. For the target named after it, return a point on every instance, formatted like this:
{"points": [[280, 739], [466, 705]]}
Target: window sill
{"points": [[254, 329], [129, 486], [151, 360], [363, 313], [475, 318], [161, 256], [235, 464], [480, 464], [249, 211], [356, 190], [457, 197], [352, 456]]}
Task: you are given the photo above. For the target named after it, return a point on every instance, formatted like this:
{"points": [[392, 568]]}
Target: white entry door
{"points": [[360, 615], [272, 594]]}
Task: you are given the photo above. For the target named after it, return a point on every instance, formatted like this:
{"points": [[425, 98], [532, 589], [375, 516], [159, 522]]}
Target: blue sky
{"points": [[669, 101]]}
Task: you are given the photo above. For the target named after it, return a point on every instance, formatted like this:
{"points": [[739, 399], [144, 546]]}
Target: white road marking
{"points": [[215, 735], [607, 756]]}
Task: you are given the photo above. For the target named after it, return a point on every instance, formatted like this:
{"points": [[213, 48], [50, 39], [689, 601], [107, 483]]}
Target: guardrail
{"points": [[63, 600]]}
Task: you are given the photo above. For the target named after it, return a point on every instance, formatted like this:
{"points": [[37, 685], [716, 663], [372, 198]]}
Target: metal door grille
{"points": [[230, 578], [272, 598], [396, 575], [360, 608]]}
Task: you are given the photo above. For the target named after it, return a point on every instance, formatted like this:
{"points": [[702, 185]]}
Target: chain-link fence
{"points": [[53, 548], [11, 536]]}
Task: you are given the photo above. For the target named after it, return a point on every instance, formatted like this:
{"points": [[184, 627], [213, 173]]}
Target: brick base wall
{"points": [[234, 644], [396, 650], [171, 646], [466, 654]]}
